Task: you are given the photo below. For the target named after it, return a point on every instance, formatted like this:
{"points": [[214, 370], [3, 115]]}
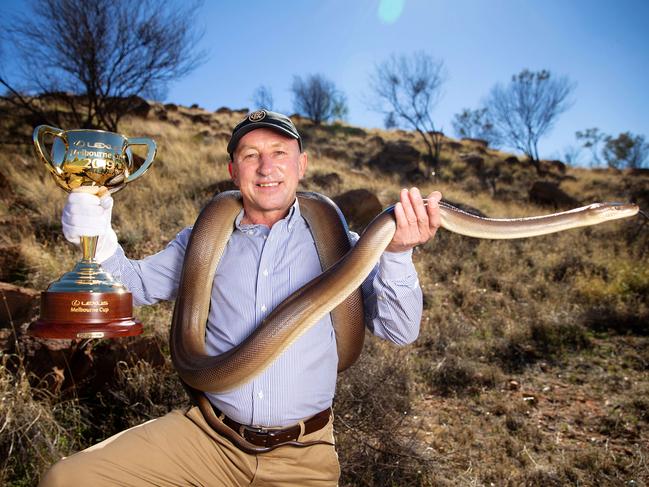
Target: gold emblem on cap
{"points": [[257, 116]]}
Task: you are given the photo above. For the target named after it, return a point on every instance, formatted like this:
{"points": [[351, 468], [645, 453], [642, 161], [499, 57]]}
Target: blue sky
{"points": [[601, 46]]}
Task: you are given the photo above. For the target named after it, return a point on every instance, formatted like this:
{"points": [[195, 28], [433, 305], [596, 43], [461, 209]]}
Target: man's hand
{"points": [[87, 212], [416, 223]]}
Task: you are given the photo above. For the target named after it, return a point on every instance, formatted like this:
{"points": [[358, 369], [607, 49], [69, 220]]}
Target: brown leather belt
{"points": [[268, 437]]}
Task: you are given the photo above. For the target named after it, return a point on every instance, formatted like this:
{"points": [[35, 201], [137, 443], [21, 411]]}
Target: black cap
{"points": [[260, 119]]}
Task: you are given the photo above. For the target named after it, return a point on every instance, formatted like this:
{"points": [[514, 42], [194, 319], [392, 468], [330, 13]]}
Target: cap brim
{"points": [[234, 141]]}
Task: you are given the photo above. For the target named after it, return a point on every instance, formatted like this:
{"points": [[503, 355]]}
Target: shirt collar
{"points": [[289, 220]]}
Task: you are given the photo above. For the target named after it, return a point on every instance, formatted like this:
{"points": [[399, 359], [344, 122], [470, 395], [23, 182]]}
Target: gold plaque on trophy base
{"points": [[86, 303]]}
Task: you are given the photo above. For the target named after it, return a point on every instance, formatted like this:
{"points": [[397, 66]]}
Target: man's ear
{"points": [[303, 162], [233, 173]]}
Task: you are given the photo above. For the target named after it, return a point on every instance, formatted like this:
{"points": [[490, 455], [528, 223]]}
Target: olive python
{"points": [[336, 290]]}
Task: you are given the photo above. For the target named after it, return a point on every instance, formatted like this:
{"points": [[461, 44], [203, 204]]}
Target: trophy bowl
{"points": [[88, 302]]}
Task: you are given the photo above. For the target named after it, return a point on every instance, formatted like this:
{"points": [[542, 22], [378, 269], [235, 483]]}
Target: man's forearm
{"points": [[393, 299], [154, 278]]}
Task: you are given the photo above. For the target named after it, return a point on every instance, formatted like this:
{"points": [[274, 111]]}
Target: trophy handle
{"points": [[149, 156], [39, 142]]}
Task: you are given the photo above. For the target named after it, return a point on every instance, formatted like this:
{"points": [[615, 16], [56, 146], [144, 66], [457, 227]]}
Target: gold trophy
{"points": [[88, 302]]}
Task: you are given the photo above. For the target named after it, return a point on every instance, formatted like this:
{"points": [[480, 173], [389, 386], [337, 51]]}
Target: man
{"points": [[271, 254]]}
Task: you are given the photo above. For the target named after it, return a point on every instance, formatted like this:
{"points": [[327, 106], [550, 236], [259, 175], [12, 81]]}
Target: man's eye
{"points": [[249, 156]]}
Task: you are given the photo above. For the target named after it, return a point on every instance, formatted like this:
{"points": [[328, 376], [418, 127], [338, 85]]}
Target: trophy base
{"points": [[78, 315]]}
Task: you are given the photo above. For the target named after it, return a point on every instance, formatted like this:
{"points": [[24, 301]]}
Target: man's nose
{"points": [[265, 164]]}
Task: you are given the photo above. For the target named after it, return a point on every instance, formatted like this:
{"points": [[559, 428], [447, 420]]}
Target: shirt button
{"points": [[260, 394], [265, 273], [263, 307]]}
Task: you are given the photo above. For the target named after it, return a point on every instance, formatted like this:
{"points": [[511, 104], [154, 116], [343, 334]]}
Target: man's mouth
{"points": [[267, 185]]}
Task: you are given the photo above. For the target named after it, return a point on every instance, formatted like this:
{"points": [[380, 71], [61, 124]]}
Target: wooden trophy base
{"points": [[78, 315]]}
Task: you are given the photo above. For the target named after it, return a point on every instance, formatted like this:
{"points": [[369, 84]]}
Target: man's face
{"points": [[267, 167]]}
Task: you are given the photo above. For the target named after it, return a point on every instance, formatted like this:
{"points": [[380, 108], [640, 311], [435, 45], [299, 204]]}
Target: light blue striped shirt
{"points": [[260, 267]]}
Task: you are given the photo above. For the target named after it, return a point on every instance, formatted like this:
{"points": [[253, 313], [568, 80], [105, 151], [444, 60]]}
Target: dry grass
{"points": [[531, 365], [36, 428]]}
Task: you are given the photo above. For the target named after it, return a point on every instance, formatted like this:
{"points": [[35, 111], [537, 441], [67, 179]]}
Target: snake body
{"points": [[336, 288], [458, 221]]}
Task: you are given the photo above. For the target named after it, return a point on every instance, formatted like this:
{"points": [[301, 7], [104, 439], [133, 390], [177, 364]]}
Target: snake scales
{"points": [[335, 290]]}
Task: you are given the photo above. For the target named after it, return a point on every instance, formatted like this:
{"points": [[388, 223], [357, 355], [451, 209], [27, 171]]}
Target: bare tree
{"points": [[475, 124], [626, 150], [406, 91], [318, 98], [571, 155], [263, 98], [98, 57], [526, 109], [590, 139]]}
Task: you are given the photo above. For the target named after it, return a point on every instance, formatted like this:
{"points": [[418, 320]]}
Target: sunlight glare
{"points": [[390, 10]]}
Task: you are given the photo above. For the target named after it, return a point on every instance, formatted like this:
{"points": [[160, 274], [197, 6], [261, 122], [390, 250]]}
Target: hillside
{"points": [[530, 369]]}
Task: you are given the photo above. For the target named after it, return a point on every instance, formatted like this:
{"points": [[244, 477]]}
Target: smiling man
{"points": [[266, 168], [270, 254]]}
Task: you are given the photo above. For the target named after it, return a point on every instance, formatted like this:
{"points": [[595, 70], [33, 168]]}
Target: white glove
{"points": [[86, 214]]}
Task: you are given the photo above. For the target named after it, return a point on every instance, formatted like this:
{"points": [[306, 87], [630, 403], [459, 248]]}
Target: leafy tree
{"points": [[263, 98], [525, 110], [591, 139], [317, 98], [98, 57], [475, 124], [626, 150], [406, 90]]}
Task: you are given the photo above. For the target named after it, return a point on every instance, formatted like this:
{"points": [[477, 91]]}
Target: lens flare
{"points": [[390, 10]]}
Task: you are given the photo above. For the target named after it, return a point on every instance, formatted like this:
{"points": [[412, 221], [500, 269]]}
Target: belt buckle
{"points": [[276, 437], [269, 437], [256, 434], [260, 430]]}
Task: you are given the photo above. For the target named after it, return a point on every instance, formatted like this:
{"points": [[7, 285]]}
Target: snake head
{"points": [[613, 210]]}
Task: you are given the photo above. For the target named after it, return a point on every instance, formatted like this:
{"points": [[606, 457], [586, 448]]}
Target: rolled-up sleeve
{"points": [[393, 298], [154, 278]]}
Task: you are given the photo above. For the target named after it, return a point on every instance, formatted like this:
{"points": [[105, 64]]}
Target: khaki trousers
{"points": [[180, 449]]}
